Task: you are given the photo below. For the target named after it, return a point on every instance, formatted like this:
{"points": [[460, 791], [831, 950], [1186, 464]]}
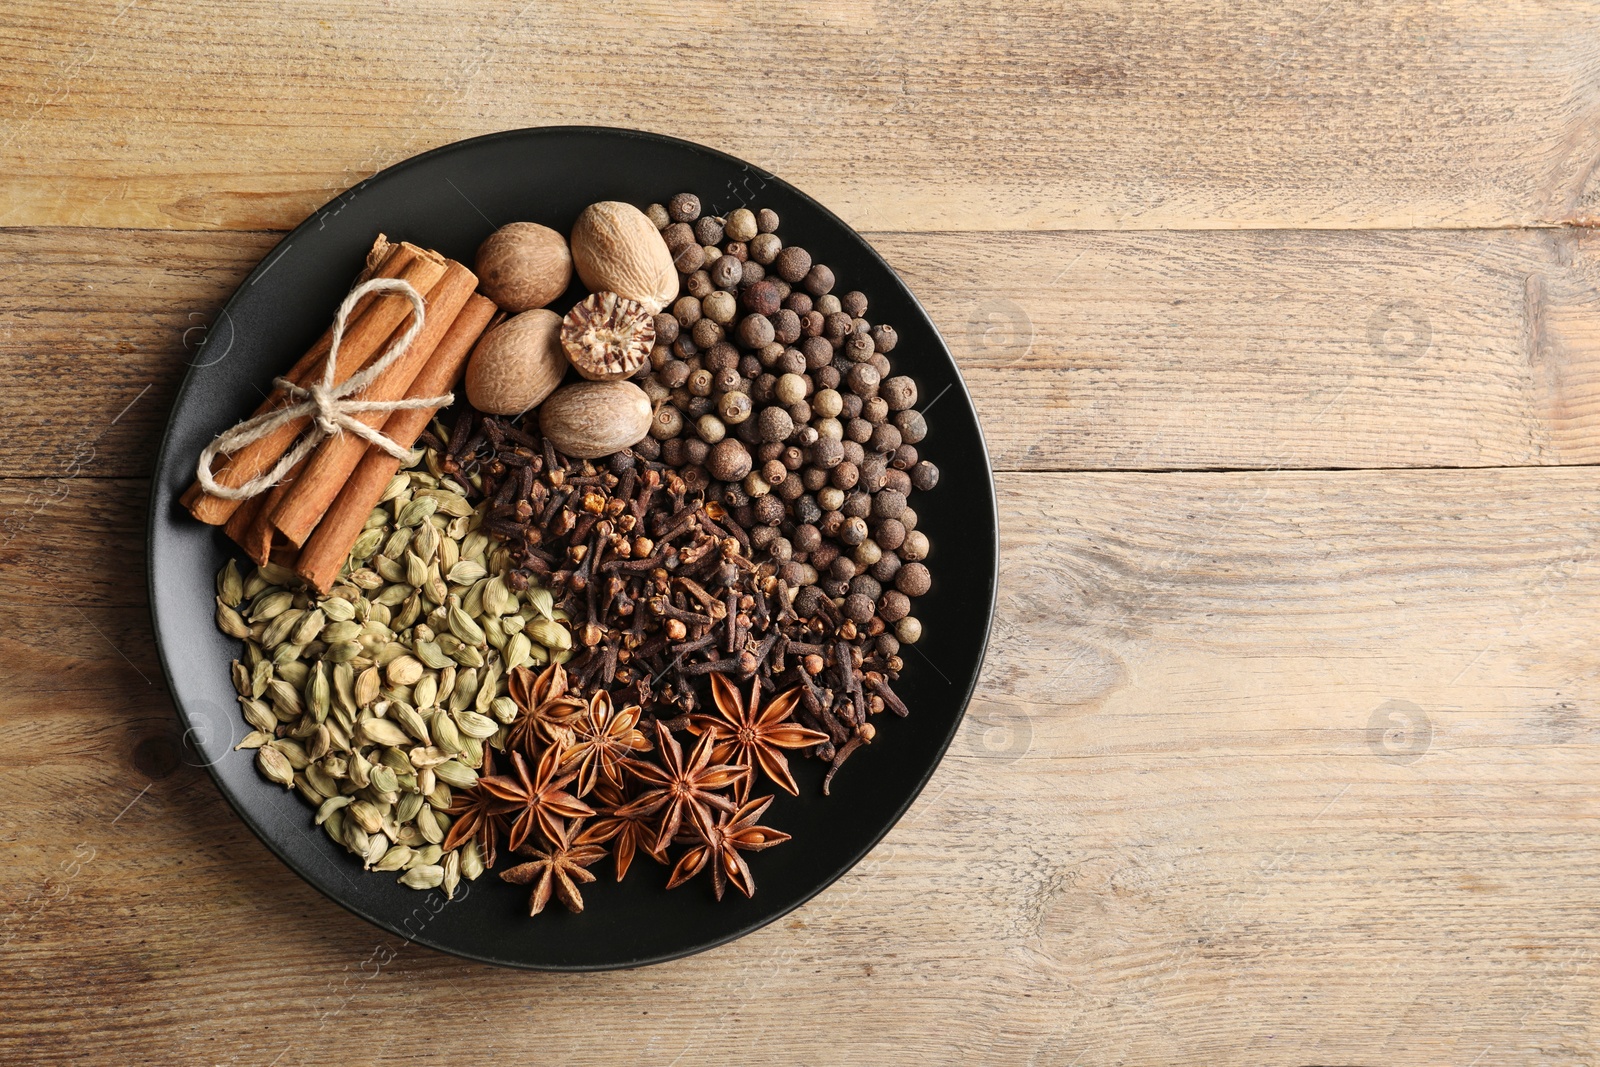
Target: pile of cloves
{"points": [[662, 587]]}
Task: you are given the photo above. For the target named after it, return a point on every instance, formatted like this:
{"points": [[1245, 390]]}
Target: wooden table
{"points": [[1285, 324]]}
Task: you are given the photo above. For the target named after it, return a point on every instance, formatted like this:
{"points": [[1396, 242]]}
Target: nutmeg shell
{"points": [[587, 420], [523, 265], [617, 249], [517, 364]]}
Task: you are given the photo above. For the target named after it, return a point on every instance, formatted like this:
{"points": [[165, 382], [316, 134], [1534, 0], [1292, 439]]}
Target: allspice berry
{"points": [[913, 579], [924, 475], [729, 460], [884, 338], [756, 331], [741, 225], [894, 606], [793, 264], [524, 265], [685, 207], [726, 272], [900, 392], [774, 424], [767, 220], [818, 280], [857, 608], [760, 298]]}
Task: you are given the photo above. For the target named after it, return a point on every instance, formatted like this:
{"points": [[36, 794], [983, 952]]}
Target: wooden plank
{"points": [[908, 115], [1265, 767], [1083, 350]]}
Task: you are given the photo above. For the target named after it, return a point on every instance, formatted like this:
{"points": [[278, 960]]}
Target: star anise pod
{"points": [[627, 833], [542, 801], [720, 846], [752, 735], [681, 786], [547, 709], [558, 868], [478, 815], [602, 738]]}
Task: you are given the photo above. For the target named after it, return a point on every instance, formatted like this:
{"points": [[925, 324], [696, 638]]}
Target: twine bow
{"points": [[326, 404]]}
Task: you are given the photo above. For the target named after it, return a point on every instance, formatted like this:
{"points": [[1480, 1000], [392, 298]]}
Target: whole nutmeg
{"points": [[607, 336], [524, 265], [617, 249], [729, 460], [741, 225], [517, 364], [587, 420]]}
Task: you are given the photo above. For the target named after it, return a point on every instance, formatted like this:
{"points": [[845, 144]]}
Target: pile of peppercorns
{"points": [[774, 396]]}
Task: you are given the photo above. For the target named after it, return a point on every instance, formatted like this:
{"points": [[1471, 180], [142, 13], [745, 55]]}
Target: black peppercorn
{"points": [[924, 475], [818, 280], [684, 207]]}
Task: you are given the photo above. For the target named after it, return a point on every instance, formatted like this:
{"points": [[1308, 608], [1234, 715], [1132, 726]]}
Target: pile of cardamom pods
{"points": [[377, 700]]}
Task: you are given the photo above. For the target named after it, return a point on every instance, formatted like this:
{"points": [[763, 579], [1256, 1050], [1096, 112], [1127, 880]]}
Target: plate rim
{"points": [[153, 518]]}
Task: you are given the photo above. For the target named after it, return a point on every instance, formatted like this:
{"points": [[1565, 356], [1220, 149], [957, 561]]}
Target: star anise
{"points": [[547, 710], [681, 786], [478, 815], [752, 735], [540, 797], [720, 846], [558, 868], [627, 833], [602, 738]]}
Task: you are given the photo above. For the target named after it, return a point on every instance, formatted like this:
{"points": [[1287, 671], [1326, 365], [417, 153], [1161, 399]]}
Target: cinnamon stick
{"points": [[240, 524], [313, 490], [325, 551], [362, 340]]}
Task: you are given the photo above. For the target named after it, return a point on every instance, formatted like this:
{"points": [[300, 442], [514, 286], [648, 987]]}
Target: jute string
{"points": [[329, 406]]}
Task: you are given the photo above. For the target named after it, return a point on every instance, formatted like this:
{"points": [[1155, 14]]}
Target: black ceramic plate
{"points": [[450, 199]]}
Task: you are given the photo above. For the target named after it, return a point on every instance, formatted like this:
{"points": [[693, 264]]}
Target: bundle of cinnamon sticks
{"points": [[311, 518]]}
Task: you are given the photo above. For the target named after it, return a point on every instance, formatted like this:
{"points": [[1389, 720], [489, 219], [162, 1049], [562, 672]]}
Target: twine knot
{"points": [[330, 408]]}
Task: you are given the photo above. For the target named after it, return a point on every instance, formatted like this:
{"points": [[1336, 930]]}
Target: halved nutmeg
{"points": [[607, 336]]}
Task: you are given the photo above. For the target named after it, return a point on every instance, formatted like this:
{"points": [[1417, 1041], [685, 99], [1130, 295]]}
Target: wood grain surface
{"points": [[1282, 319]]}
